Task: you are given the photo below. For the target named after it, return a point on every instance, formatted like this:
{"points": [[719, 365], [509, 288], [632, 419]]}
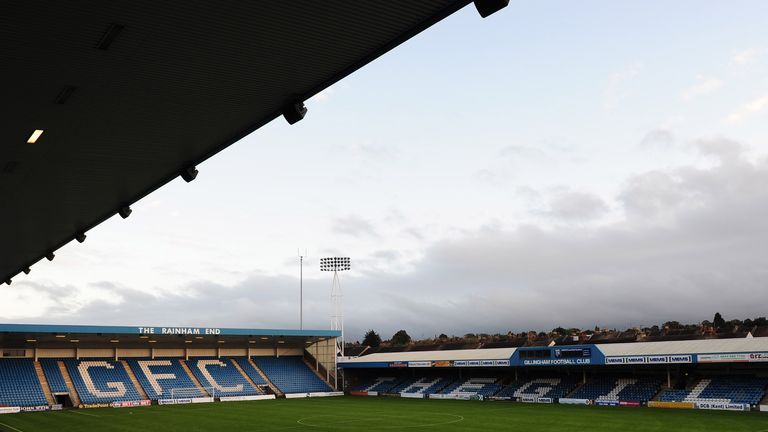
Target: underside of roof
{"points": [[131, 94]]}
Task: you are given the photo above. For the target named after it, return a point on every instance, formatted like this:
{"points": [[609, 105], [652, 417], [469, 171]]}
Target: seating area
{"points": [[222, 375], [159, 376], [639, 389], [19, 385], [249, 370], [380, 385], [101, 381], [291, 375], [474, 386], [540, 388], [734, 389], [423, 385], [53, 375]]}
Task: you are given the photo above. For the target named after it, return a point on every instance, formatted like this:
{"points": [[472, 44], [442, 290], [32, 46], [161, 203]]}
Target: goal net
{"points": [[192, 392]]}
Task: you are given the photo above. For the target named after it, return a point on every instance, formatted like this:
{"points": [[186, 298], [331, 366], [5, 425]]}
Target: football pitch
{"points": [[384, 414]]}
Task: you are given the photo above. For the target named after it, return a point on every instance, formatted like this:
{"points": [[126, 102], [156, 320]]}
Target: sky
{"points": [[559, 163]]}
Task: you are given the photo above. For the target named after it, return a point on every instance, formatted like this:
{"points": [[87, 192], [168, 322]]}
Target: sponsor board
{"points": [[571, 401], [174, 401], [202, 400], [456, 396], [359, 393], [607, 403], [9, 410], [630, 403], [650, 359], [57, 407], [412, 395], [95, 405], [764, 408], [296, 395], [398, 364], [722, 406], [325, 394], [733, 358], [533, 399], [373, 393], [676, 405], [443, 363], [419, 364], [556, 362], [245, 398], [131, 404], [36, 408]]}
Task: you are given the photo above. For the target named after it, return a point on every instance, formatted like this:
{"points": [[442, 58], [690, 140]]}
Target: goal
{"points": [[191, 392]]}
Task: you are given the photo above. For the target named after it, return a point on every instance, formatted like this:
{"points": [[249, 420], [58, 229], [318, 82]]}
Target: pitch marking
{"points": [[457, 419], [11, 427], [85, 414]]}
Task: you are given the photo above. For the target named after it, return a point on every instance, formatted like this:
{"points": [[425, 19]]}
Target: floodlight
{"points": [[189, 174], [124, 212], [489, 7], [26, 270], [8, 281], [50, 256], [294, 112], [80, 237]]}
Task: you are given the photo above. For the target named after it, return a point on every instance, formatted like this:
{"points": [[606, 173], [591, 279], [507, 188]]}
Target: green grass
{"points": [[384, 414]]}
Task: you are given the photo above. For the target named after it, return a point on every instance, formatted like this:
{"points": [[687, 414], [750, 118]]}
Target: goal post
{"points": [[191, 392]]}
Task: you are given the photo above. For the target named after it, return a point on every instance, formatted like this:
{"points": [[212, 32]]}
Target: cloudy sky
{"points": [[559, 163]]}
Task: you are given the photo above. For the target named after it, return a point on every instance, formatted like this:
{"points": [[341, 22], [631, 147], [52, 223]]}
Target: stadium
{"points": [[130, 96]]}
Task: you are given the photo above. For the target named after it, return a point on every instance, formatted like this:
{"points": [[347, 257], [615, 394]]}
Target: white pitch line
{"points": [[85, 414], [11, 427]]}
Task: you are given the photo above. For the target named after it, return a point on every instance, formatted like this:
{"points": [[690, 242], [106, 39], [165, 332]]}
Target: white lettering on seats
{"points": [[202, 365], [153, 377], [118, 388]]}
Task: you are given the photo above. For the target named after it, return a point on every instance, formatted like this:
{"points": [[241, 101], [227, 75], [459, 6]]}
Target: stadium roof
{"points": [[455, 355], [84, 336], [703, 346], [130, 95]]}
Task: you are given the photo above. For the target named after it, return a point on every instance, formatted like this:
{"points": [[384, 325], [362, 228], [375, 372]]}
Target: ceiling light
{"points": [[35, 136], [264, 338], [251, 341], [143, 337], [221, 341], [187, 341], [198, 337], [152, 341], [114, 341], [281, 341], [61, 336], [74, 340], [31, 340]]}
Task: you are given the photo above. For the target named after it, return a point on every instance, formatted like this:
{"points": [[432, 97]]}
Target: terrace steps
{"points": [[134, 380], [68, 381], [272, 385], [192, 377], [245, 375], [44, 383]]}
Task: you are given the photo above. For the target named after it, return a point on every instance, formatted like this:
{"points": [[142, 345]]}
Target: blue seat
{"points": [[291, 375], [101, 381], [19, 385]]}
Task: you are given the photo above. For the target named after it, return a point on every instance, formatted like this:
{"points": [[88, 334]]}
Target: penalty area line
{"points": [[11, 427]]}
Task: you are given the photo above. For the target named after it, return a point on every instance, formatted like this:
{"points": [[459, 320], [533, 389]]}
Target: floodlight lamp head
{"points": [[50, 256], [335, 264], [80, 237], [189, 174]]}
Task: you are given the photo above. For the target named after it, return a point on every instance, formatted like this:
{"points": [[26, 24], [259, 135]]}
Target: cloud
{"points": [[748, 109], [617, 89], [661, 138], [574, 206], [747, 56], [692, 242], [702, 86], [353, 226]]}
